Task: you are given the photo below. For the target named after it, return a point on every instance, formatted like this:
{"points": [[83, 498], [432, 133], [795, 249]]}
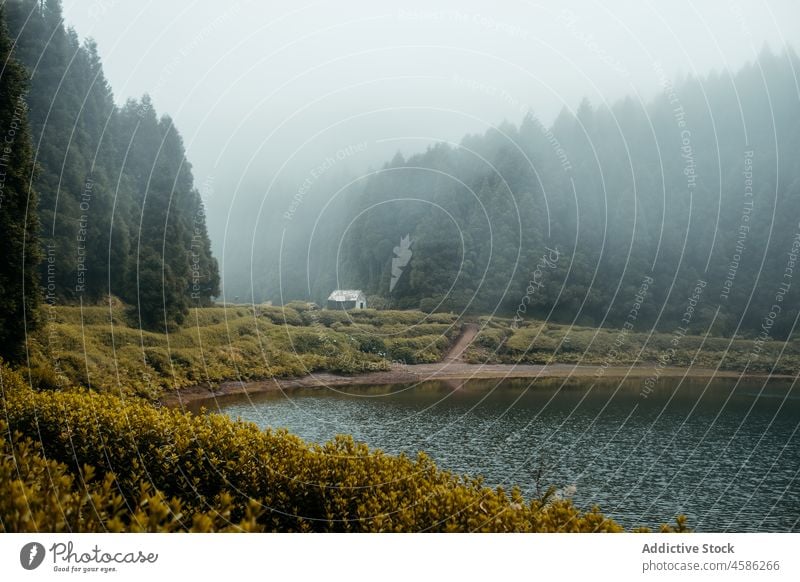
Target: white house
{"points": [[347, 299]]}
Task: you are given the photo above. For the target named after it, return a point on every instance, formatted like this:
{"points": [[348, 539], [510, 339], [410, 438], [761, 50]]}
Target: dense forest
{"points": [[119, 214], [698, 190]]}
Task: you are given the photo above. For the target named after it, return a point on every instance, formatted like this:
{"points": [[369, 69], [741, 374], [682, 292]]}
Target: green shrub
{"points": [[300, 306], [285, 315], [370, 344], [429, 304], [327, 317], [491, 338], [377, 302], [418, 350], [309, 341]]}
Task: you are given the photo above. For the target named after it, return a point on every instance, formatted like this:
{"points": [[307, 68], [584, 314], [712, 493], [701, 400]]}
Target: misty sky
{"points": [[253, 86]]}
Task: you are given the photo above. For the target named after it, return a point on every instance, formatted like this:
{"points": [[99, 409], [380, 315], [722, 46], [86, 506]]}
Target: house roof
{"points": [[346, 295]]}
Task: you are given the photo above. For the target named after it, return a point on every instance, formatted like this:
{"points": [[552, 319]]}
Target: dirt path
{"points": [[468, 333]]}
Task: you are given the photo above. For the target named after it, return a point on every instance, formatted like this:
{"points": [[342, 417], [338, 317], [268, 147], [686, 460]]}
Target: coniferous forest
{"points": [[118, 211]]}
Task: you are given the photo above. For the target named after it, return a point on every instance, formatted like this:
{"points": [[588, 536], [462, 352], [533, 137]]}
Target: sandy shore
{"points": [[447, 370]]}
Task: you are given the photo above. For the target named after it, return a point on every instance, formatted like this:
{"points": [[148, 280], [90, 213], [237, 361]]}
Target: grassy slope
{"points": [[537, 342], [81, 346]]}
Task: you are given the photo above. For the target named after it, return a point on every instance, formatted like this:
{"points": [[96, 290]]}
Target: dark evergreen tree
{"points": [[19, 241]]}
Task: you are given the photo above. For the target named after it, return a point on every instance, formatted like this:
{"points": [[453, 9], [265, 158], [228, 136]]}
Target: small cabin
{"points": [[347, 299]]}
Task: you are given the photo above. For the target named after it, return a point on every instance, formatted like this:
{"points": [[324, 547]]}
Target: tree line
{"points": [[98, 200], [699, 189]]}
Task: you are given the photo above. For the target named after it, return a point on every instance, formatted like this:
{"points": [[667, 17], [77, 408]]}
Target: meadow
{"points": [[103, 348], [537, 342]]}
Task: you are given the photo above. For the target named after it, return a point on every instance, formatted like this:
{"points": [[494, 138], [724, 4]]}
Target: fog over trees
{"points": [[612, 165], [699, 187]]}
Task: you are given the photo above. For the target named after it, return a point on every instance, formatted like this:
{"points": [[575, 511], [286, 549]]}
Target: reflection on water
{"points": [[726, 455]]}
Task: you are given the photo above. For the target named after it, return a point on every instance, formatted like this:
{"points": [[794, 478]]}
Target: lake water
{"points": [[725, 454]]}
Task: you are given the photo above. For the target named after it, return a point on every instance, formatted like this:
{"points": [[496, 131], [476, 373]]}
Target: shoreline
{"points": [[445, 371]]}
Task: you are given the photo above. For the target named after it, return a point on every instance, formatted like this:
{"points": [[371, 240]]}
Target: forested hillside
{"points": [[697, 189], [118, 209]]}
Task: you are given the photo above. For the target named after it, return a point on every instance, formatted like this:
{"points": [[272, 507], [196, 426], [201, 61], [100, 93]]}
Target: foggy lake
{"points": [[724, 454]]}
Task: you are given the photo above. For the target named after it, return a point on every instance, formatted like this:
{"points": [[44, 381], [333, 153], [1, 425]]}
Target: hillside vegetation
{"points": [[503, 341], [101, 347], [698, 185]]}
